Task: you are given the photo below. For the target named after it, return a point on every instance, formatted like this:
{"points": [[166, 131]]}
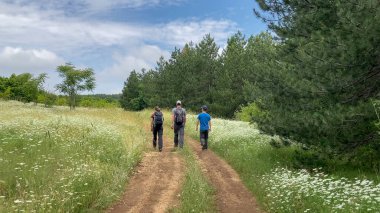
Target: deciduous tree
{"points": [[75, 81]]}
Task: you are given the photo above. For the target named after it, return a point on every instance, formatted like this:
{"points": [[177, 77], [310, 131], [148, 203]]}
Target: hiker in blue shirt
{"points": [[205, 120]]}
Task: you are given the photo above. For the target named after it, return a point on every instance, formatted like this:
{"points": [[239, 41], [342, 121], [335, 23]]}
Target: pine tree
{"points": [[130, 98], [329, 70]]}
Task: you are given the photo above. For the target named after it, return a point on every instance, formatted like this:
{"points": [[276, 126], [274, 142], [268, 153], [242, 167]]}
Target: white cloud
{"points": [[42, 29], [111, 79], [181, 32], [36, 61], [31, 27]]}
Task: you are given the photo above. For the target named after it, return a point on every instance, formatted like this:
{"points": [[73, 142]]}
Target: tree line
{"points": [[27, 88], [23, 87], [314, 78]]}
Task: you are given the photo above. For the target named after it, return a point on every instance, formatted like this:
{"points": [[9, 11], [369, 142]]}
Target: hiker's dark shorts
{"points": [[204, 134]]}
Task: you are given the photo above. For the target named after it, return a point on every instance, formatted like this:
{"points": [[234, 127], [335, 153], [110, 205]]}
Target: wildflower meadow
{"points": [[57, 160], [268, 173]]}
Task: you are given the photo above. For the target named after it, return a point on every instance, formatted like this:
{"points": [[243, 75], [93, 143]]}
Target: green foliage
{"points": [[49, 99], [199, 75], [312, 83], [247, 112], [6, 94], [132, 96], [284, 178], [96, 102], [46, 98], [23, 87], [230, 78], [317, 85], [137, 104], [61, 101], [75, 81], [310, 159], [376, 108], [189, 75]]}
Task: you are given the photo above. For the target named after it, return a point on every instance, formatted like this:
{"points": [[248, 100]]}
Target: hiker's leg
{"points": [[205, 146], [181, 132], [202, 137], [175, 135], [160, 132], [154, 137]]}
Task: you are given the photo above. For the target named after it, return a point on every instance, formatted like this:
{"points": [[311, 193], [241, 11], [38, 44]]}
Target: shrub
{"points": [[247, 112]]}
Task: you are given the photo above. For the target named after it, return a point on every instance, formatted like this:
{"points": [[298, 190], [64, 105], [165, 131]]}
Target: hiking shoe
{"points": [[160, 150]]}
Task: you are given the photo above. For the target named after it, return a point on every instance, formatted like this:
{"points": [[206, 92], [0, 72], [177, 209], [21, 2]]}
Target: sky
{"points": [[111, 37]]}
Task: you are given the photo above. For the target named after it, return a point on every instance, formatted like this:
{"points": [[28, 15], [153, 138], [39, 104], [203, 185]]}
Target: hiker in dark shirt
{"points": [[157, 127], [178, 124]]}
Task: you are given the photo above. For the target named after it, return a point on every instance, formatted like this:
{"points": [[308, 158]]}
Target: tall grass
{"points": [[268, 173], [56, 160]]}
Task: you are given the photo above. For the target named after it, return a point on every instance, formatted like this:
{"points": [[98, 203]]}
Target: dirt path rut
{"points": [[157, 181], [231, 194], [156, 184]]}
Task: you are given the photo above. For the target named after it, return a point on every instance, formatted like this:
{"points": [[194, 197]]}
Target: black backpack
{"points": [[158, 119], [178, 116]]}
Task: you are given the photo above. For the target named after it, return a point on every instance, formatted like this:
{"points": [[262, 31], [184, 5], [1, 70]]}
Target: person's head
{"points": [[204, 108], [179, 103], [157, 108]]}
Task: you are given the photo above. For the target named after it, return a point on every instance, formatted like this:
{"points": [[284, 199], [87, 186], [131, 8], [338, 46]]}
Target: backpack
{"points": [[178, 116], [158, 120]]}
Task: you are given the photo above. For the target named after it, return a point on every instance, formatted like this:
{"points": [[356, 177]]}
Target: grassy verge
{"points": [[56, 160], [268, 173], [197, 194]]}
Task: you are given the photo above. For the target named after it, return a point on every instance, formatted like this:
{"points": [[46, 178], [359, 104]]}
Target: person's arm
{"points": [[172, 126], [151, 122], [184, 118], [209, 125], [196, 128]]}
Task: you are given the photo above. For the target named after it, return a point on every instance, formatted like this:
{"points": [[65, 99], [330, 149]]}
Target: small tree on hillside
{"points": [[74, 81]]}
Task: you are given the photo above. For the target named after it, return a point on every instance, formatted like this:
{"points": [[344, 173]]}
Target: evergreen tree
{"points": [[327, 75], [131, 98], [230, 79]]}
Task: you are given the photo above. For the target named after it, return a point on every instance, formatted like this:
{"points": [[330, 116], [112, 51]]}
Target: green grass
{"points": [[197, 194], [269, 173], [56, 160]]}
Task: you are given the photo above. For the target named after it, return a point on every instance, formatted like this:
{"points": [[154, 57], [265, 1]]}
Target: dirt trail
{"points": [[156, 184], [231, 194]]}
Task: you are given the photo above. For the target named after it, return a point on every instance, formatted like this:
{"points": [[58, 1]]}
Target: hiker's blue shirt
{"points": [[204, 118]]}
